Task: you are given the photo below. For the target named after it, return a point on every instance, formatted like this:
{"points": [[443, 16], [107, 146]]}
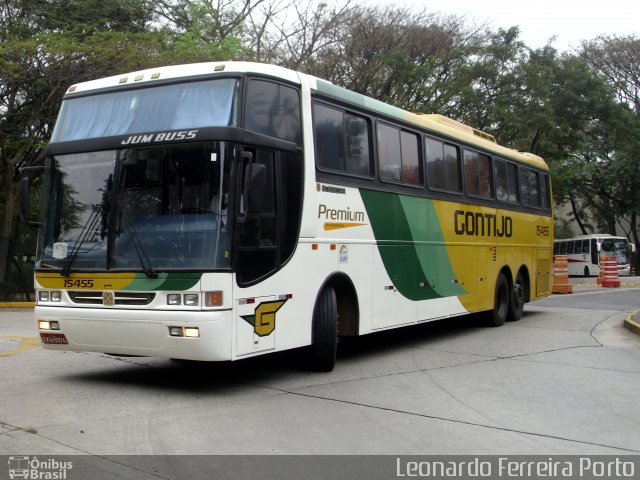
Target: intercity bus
{"points": [[219, 211], [584, 251]]}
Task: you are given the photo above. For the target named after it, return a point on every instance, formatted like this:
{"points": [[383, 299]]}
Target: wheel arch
{"points": [[347, 303]]}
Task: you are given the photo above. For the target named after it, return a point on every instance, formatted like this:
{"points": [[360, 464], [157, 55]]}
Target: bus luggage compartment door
{"points": [[255, 325]]}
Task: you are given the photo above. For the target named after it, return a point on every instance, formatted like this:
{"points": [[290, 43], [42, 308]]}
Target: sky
{"points": [[569, 20]]}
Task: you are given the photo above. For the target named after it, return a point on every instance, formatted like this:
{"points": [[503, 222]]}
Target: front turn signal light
{"points": [[213, 299]]}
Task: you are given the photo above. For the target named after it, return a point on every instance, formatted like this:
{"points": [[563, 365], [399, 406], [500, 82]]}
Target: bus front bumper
{"points": [[146, 333]]}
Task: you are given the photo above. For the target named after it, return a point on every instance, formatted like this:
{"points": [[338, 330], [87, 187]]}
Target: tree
{"points": [[45, 47], [617, 61]]}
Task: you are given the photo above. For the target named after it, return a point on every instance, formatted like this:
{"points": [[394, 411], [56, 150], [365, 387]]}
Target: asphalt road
{"points": [[563, 380]]}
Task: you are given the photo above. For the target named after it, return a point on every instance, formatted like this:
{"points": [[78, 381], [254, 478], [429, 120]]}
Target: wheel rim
{"points": [[518, 293]]}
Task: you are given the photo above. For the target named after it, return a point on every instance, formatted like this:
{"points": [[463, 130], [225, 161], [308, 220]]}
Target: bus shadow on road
{"points": [[210, 377]]}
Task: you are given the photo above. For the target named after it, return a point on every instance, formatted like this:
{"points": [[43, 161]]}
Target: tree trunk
{"points": [[10, 200], [635, 258], [576, 215]]}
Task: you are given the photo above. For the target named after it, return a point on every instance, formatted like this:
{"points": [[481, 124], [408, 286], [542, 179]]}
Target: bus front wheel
{"points": [[501, 301], [323, 348]]}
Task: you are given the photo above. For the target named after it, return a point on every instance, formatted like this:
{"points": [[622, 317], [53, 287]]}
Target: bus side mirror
{"points": [[633, 247], [25, 187], [599, 247]]}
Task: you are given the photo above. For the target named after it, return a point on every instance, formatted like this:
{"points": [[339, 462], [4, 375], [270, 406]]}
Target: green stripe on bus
{"points": [[164, 282], [411, 245]]}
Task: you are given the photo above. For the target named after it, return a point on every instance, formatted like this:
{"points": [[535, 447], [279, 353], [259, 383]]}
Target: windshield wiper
{"points": [[137, 245], [87, 230]]}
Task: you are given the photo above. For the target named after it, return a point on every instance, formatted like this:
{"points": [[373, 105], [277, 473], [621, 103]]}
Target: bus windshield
{"points": [[169, 107], [617, 247], [147, 208]]}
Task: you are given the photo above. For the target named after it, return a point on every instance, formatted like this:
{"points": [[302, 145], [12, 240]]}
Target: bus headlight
{"points": [[191, 299], [173, 299], [188, 332], [47, 296], [192, 332], [48, 325]]}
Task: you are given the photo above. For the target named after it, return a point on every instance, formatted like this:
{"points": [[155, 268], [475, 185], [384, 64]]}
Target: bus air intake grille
{"points": [[120, 298]]}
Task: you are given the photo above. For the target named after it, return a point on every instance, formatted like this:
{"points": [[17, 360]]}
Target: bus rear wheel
{"points": [[518, 298], [322, 353], [501, 301]]}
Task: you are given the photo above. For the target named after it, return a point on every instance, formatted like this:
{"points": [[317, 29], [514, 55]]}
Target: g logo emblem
{"points": [[264, 318]]}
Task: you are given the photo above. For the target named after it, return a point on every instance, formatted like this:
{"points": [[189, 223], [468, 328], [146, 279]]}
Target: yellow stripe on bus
{"points": [[86, 281]]}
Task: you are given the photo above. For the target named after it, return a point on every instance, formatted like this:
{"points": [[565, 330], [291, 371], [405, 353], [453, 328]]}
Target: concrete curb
{"points": [[17, 304], [632, 322]]}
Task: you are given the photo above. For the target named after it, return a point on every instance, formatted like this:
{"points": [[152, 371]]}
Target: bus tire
{"points": [[518, 298], [324, 340], [586, 271], [497, 316]]}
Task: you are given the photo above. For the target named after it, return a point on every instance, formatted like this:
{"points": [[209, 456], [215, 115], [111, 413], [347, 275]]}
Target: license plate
{"points": [[54, 338]]}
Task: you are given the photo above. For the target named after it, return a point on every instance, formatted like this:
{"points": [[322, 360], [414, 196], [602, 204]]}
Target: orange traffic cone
{"points": [[610, 273], [561, 282]]}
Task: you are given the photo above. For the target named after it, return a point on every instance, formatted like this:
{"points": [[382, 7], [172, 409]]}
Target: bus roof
{"points": [[433, 122], [174, 72], [593, 235]]}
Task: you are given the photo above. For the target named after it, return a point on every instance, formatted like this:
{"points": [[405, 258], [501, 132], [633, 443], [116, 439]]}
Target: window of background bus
{"points": [[443, 166], [477, 174], [585, 246], [577, 248], [398, 155], [569, 248], [341, 141]]}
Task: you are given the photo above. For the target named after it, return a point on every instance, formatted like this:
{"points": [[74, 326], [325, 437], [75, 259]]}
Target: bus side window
{"points": [[585, 246], [506, 178], [358, 158], [341, 141], [563, 248], [273, 109], [569, 248], [398, 155], [477, 174], [577, 248], [544, 192], [443, 166], [530, 188]]}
